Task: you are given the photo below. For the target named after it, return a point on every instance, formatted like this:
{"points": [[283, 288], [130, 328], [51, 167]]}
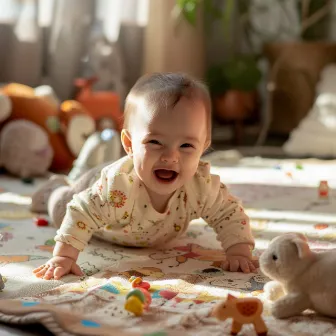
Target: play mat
{"points": [[279, 195]]}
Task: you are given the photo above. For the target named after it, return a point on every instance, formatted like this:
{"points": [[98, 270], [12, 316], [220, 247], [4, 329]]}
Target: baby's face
{"points": [[167, 145]]}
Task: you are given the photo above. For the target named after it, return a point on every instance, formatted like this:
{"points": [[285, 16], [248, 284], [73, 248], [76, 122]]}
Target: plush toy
{"points": [[24, 149], [100, 149], [303, 279], [53, 196], [67, 125]]}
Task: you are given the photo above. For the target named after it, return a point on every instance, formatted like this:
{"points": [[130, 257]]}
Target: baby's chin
{"points": [[165, 189]]}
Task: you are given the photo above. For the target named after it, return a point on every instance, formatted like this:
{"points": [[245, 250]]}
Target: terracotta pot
{"points": [[295, 69], [236, 105]]}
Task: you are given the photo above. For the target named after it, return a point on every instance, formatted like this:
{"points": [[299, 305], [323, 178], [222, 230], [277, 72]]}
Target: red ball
{"points": [[41, 222]]}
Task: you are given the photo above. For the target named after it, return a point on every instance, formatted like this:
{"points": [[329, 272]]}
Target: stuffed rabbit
{"points": [[306, 279]]}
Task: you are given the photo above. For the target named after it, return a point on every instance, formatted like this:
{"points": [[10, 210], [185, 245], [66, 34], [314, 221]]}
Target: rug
{"points": [[280, 196]]}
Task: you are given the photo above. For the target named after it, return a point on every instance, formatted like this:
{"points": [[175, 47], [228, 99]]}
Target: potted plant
{"points": [[282, 31], [233, 83]]}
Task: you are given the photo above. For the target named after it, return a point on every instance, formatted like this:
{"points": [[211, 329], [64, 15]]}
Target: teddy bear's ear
{"points": [[230, 297], [302, 246]]}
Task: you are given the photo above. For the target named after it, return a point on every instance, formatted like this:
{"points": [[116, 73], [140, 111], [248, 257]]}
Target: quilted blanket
{"points": [[185, 277]]}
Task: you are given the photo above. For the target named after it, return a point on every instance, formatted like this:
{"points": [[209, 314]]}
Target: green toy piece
{"points": [[137, 293]]}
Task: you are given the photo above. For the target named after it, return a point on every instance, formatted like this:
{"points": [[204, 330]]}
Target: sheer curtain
{"points": [[50, 41], [54, 41]]}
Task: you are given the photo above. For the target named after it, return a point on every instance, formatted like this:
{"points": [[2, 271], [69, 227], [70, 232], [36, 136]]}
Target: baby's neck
{"points": [[159, 202]]}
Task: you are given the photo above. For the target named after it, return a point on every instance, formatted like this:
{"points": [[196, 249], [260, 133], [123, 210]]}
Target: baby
{"points": [[149, 197]]}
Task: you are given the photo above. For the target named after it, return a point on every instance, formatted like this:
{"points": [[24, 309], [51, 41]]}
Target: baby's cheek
{"points": [[190, 170]]}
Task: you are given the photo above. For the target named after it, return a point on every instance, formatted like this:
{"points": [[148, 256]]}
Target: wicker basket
{"points": [[295, 70]]}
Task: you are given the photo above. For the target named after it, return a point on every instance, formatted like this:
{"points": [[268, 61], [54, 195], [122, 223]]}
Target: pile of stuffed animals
{"points": [[39, 133]]}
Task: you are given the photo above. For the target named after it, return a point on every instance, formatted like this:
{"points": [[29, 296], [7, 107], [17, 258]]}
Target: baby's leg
{"points": [[57, 204], [62, 196]]}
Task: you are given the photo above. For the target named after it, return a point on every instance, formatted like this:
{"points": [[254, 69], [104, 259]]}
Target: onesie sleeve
{"points": [[94, 208], [221, 210]]}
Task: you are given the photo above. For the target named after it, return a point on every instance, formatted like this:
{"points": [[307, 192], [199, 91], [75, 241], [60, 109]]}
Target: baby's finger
{"points": [[244, 266], [252, 267], [41, 272], [255, 263], [59, 272], [49, 273], [37, 269], [234, 265], [225, 265]]}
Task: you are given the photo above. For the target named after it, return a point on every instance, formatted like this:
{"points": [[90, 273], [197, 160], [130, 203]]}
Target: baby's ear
{"points": [[302, 247], [126, 141]]}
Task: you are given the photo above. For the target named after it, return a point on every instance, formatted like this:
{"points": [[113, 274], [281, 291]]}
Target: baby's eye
{"points": [[187, 145], [154, 142]]}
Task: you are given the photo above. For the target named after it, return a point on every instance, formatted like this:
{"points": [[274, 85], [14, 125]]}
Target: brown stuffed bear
{"points": [[67, 125]]}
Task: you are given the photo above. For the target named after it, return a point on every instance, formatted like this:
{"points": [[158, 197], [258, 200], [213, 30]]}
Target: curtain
{"points": [[173, 44], [54, 41]]}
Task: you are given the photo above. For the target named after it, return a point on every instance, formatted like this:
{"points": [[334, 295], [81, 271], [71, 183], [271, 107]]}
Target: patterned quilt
{"points": [[185, 277]]}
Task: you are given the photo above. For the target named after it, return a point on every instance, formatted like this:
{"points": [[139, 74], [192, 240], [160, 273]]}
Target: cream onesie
{"points": [[117, 207]]}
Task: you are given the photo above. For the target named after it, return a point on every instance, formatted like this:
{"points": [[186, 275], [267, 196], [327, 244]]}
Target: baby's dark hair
{"points": [[162, 91]]}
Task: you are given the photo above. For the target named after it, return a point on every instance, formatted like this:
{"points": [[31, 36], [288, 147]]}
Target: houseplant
{"points": [[269, 28], [232, 83]]}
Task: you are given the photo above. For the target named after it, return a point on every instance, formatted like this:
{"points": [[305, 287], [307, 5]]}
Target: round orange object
{"points": [[321, 226]]}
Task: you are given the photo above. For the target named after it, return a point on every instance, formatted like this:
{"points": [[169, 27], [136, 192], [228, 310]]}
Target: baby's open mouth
{"points": [[165, 175]]}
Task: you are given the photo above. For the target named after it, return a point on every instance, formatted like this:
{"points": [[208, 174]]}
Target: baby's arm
{"points": [[85, 214], [224, 213]]}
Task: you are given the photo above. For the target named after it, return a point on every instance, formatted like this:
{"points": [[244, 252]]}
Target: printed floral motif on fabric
{"points": [[117, 198]]}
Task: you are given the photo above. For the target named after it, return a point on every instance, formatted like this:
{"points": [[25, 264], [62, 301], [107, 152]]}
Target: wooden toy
{"points": [[242, 311], [138, 300], [138, 283], [323, 190]]}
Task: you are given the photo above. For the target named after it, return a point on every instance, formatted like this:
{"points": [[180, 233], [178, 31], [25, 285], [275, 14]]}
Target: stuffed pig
{"points": [[303, 279]]}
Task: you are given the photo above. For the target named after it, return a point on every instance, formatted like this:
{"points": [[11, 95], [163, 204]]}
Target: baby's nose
{"points": [[170, 156]]}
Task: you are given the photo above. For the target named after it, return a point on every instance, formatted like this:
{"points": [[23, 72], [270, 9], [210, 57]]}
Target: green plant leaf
{"points": [[216, 80], [189, 9], [242, 73]]}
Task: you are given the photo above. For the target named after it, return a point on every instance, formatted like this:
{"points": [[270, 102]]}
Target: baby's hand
{"points": [[240, 263], [239, 258], [56, 267]]}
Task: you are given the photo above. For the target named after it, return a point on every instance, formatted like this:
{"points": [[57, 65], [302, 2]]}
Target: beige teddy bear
{"points": [[303, 279]]}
